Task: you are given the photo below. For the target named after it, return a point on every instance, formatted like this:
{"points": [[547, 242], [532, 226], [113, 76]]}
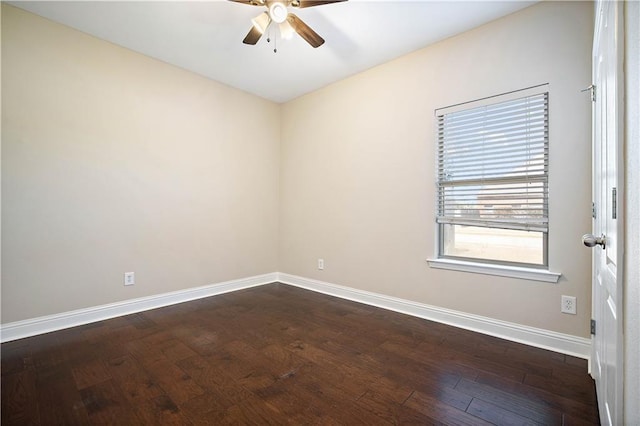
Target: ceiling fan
{"points": [[277, 11]]}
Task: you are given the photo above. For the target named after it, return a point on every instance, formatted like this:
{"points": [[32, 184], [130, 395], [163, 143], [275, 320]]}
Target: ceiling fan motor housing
{"points": [[278, 12]]}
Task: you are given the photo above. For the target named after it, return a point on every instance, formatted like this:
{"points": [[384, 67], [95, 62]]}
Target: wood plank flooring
{"points": [[277, 354]]}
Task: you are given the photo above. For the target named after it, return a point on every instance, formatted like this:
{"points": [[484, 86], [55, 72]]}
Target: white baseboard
{"points": [[31, 327], [558, 342], [545, 339]]}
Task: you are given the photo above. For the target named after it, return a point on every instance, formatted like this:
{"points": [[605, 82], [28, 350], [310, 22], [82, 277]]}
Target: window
{"points": [[493, 180]]}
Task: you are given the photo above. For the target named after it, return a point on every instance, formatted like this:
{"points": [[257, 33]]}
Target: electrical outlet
{"points": [[568, 305], [129, 278], [321, 264]]}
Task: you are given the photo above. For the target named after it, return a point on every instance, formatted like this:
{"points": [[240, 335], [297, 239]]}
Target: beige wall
{"points": [[358, 168], [115, 162]]}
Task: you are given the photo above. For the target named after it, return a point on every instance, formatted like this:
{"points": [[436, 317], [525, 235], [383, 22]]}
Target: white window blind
{"points": [[493, 165]]}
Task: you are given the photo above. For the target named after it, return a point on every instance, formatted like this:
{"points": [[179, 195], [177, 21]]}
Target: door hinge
{"points": [[592, 90], [593, 210], [614, 203], [593, 327]]}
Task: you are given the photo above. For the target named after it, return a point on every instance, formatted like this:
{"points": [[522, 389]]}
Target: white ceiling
{"points": [[206, 36]]}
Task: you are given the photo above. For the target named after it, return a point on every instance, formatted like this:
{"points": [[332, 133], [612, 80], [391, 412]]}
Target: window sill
{"points": [[499, 270]]}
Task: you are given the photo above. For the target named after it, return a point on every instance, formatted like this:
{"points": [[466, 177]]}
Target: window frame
{"points": [[449, 261]]}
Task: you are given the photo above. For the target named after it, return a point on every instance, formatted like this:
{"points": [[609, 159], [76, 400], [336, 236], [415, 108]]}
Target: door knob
{"points": [[591, 240]]}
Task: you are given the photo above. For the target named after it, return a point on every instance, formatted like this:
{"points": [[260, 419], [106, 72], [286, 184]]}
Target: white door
{"points": [[607, 354]]}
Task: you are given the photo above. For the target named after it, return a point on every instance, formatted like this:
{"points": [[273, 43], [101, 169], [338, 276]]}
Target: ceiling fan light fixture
{"points": [[278, 12], [261, 22], [286, 30]]}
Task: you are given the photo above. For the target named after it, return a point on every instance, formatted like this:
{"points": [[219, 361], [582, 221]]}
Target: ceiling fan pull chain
{"points": [[275, 44]]}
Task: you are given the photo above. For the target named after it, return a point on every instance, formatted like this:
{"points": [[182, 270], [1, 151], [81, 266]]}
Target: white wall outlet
{"points": [[568, 305], [129, 278], [321, 264]]}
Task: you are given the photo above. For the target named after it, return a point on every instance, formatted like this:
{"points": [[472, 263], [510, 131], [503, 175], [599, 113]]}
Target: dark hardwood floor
{"points": [[278, 354]]}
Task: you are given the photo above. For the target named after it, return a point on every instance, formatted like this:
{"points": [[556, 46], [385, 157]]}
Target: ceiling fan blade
{"points": [[310, 3], [305, 31], [253, 36], [250, 2], [260, 24]]}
